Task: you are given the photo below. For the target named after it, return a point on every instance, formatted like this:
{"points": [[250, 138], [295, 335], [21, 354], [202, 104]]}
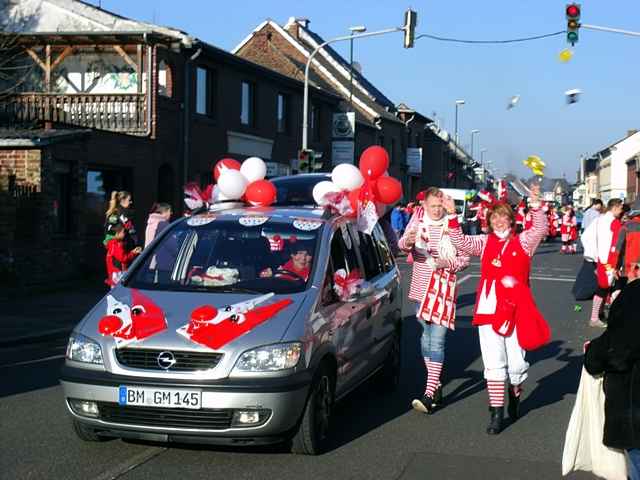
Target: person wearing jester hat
{"points": [[433, 287], [505, 313]]}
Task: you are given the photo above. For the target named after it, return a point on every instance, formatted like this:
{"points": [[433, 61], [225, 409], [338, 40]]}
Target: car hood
{"points": [[196, 321]]}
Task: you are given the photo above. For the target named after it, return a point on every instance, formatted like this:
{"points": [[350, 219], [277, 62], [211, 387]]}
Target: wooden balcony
{"points": [[124, 113]]}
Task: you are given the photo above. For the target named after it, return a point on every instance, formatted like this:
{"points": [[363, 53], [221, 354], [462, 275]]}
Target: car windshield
{"points": [[297, 191], [252, 254]]}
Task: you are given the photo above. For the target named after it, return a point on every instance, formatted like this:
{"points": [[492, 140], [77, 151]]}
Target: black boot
{"points": [[495, 423], [437, 396], [514, 405]]}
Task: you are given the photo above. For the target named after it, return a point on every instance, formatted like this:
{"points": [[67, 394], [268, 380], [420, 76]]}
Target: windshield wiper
{"points": [[233, 289]]}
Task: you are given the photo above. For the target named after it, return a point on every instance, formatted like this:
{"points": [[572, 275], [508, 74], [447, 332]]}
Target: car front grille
{"points": [[208, 419], [185, 361]]}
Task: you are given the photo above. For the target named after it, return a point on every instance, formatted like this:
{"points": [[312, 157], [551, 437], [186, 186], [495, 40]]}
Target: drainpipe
{"points": [[149, 90], [187, 115]]}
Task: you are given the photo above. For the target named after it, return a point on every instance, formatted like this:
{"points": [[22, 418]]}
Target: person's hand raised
{"points": [[448, 204]]}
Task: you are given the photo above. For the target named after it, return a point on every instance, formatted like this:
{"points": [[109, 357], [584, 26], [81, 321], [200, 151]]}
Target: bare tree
{"points": [[15, 65]]}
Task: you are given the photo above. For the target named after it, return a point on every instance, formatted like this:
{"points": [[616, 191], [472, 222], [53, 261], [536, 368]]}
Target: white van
{"points": [[458, 195]]}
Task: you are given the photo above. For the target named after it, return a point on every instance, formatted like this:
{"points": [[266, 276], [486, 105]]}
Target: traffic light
{"points": [[304, 160], [573, 22], [410, 22]]}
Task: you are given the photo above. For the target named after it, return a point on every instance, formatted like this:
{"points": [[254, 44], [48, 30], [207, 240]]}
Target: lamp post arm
{"points": [[305, 104], [608, 29]]}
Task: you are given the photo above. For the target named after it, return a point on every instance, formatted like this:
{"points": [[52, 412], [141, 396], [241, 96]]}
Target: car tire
{"points": [[312, 435], [86, 433], [388, 377]]}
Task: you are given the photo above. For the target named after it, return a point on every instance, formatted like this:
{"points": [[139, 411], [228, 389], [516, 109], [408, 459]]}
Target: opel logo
{"points": [[166, 360]]}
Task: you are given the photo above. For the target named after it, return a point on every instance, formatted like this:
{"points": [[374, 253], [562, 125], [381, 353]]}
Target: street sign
{"points": [[344, 125], [414, 160], [342, 151]]}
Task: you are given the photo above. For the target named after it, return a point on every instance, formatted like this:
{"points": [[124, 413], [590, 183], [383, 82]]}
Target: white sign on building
{"points": [[414, 160], [342, 151], [344, 125]]}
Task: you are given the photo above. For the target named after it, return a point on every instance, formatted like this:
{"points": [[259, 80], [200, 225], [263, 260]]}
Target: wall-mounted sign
{"points": [[344, 125], [342, 151], [414, 160]]}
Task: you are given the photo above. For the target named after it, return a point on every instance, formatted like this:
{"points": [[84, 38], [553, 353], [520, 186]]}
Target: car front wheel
{"points": [[311, 437]]}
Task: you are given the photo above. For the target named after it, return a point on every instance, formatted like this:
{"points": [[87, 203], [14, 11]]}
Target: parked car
{"points": [[298, 189], [217, 334]]}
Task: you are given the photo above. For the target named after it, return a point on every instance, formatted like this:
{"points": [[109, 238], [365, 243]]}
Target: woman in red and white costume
{"points": [[505, 264], [433, 287], [569, 230]]}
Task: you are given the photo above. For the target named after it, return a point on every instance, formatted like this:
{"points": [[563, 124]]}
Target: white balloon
{"points": [[321, 189], [253, 168], [217, 195], [347, 177], [232, 184]]}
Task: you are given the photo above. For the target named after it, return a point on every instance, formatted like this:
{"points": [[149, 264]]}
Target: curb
{"points": [[35, 338]]}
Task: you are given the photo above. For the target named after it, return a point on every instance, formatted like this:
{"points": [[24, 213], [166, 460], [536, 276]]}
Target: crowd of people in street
{"points": [[509, 324]]}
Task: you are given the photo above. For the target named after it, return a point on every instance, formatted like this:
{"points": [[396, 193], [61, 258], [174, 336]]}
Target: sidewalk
{"points": [[42, 316]]}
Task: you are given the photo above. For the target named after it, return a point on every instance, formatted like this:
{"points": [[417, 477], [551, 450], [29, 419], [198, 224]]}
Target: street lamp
{"points": [[353, 30], [458, 103], [473, 132]]}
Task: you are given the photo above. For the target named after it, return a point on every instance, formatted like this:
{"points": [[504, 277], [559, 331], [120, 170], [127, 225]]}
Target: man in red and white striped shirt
{"points": [[433, 287]]}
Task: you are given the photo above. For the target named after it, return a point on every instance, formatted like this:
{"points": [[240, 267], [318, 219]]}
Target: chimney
{"points": [[632, 131], [293, 25]]}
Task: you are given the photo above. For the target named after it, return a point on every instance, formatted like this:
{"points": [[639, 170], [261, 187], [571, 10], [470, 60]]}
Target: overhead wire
{"points": [[512, 40]]}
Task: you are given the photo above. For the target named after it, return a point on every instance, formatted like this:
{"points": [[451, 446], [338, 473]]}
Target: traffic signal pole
{"points": [[305, 104], [611, 30]]}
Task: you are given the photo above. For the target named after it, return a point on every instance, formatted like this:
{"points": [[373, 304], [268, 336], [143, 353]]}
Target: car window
{"points": [[370, 258], [384, 251], [328, 295], [256, 254], [343, 254]]}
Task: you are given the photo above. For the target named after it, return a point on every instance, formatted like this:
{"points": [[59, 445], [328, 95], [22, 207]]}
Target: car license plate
{"points": [[160, 397]]}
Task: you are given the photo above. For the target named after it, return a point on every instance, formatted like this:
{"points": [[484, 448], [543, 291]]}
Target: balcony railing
{"points": [[126, 113]]}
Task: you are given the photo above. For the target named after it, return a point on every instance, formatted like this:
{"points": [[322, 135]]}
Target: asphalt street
{"points": [[375, 435]]}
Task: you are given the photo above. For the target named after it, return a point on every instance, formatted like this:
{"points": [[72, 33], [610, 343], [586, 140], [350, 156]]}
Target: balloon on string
{"points": [[232, 184], [261, 193], [374, 161], [565, 55], [513, 101], [388, 190], [253, 168], [321, 189], [347, 177], [223, 165]]}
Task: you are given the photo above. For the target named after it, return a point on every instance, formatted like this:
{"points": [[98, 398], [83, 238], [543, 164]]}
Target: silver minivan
{"points": [[233, 328]]}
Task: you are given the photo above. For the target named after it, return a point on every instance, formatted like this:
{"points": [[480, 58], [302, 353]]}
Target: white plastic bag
{"points": [[583, 447]]}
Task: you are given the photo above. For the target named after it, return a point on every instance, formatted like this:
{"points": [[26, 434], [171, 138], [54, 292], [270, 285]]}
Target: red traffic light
{"points": [[573, 10]]}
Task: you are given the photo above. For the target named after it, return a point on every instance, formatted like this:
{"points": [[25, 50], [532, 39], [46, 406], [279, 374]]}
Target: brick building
{"points": [[287, 48], [161, 106]]}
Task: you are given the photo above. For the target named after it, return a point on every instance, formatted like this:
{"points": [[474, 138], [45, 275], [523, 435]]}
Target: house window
{"points": [[247, 107], [283, 113], [165, 80], [205, 97]]}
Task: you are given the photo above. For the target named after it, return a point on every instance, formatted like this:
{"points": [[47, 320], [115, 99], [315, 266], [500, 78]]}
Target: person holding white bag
{"points": [[433, 287], [616, 354]]}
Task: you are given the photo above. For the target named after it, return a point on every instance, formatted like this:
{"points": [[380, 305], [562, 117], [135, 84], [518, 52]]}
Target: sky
{"points": [[433, 75]]}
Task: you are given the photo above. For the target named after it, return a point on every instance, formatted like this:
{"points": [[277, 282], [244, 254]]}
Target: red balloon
{"points": [[109, 324], [388, 190], [261, 193], [374, 161], [224, 164]]}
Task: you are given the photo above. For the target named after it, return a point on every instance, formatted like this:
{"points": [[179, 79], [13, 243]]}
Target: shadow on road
{"points": [[553, 387]]}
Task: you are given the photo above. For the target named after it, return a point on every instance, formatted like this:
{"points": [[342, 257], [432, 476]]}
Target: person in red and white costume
{"points": [[554, 222], [569, 230], [606, 237], [504, 282], [433, 287]]}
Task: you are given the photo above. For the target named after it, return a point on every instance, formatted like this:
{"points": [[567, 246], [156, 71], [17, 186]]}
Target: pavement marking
{"points": [[28, 362], [131, 464]]}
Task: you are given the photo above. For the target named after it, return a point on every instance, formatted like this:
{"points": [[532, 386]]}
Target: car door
{"points": [[344, 317], [379, 272]]}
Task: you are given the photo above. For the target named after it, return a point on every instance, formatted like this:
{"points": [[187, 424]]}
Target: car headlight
{"points": [[270, 358], [83, 349]]}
